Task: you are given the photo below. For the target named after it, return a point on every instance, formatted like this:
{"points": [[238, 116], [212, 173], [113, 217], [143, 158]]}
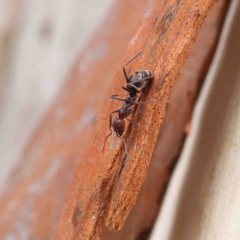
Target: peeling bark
{"points": [[172, 134], [98, 193]]}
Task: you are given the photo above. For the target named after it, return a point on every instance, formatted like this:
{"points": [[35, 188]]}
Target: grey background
{"points": [[39, 40]]}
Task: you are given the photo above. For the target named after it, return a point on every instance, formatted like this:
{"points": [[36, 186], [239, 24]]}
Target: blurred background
{"points": [[39, 41]]}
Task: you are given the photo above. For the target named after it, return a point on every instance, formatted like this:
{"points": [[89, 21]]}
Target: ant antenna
{"points": [[138, 54], [133, 58]]}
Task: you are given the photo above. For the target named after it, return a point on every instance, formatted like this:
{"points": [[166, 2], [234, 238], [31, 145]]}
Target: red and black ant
{"points": [[135, 84]]}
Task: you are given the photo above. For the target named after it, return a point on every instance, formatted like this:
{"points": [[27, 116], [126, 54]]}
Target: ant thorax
{"points": [[131, 99]]}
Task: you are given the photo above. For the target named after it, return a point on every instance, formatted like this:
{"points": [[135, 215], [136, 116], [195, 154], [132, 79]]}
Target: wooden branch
{"points": [[172, 134], [99, 193], [175, 41]]}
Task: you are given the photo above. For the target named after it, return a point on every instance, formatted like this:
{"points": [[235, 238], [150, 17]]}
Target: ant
{"points": [[135, 83]]}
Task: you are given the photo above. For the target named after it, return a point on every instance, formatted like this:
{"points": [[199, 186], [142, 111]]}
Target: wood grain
{"points": [[98, 193], [173, 131]]}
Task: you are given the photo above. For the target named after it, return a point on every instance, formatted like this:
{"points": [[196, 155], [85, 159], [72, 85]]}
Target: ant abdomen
{"points": [[118, 126]]}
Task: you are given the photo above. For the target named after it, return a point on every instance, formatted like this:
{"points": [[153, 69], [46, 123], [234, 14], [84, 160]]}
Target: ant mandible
{"points": [[135, 83]]}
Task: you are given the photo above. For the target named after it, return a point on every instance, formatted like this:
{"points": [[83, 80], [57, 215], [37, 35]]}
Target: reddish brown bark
{"points": [[98, 193], [169, 144]]}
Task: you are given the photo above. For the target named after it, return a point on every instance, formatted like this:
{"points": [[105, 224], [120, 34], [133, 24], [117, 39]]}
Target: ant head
{"points": [[139, 80]]}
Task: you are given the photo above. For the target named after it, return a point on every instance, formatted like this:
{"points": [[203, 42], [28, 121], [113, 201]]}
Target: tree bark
{"points": [[174, 129], [99, 193]]}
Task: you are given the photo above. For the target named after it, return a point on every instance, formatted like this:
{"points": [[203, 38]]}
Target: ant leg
{"points": [[126, 89], [132, 122], [141, 80], [125, 145], [116, 98], [110, 120], [125, 74], [110, 125], [129, 112], [145, 78], [106, 139], [142, 102]]}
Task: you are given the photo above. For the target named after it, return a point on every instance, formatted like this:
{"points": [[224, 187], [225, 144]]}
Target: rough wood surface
{"points": [[172, 134], [99, 194]]}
